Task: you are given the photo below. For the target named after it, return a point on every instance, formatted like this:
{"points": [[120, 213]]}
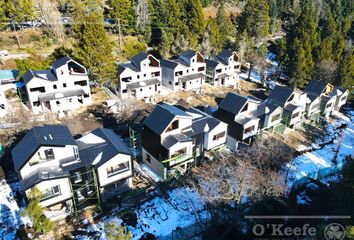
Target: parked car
{"points": [[4, 53]]}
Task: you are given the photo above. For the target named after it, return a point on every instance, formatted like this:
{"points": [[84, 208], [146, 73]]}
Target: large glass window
{"points": [[51, 192], [116, 169]]}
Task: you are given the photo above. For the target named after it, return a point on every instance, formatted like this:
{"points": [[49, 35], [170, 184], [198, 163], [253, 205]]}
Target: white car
{"points": [[4, 53]]}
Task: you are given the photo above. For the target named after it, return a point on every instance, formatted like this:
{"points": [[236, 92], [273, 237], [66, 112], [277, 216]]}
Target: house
{"points": [[71, 174], [270, 115], [329, 96], [239, 113], [292, 101], [173, 139], [313, 111], [62, 87], [224, 69], [139, 78], [341, 96], [186, 72]]}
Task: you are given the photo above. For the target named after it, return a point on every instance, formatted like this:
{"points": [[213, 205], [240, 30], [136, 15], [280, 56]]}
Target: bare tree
{"points": [[325, 71], [142, 13], [52, 18]]}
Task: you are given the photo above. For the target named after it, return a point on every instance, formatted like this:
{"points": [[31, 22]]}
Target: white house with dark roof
{"points": [[186, 72], [240, 114], [173, 138], [325, 97], [72, 174], [63, 87], [224, 69], [139, 78], [293, 102]]}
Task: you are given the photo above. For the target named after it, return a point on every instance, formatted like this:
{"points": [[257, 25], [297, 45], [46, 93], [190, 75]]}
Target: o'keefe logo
{"points": [[334, 231]]}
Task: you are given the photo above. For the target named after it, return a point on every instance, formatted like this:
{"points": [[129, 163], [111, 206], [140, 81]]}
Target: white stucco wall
{"points": [[102, 175], [209, 143]]}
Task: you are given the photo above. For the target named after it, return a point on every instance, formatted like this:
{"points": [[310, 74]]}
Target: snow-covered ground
{"points": [[319, 163], [10, 213], [160, 216]]}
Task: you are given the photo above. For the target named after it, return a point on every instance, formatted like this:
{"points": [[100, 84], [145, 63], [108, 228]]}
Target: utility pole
{"points": [[119, 35], [16, 36]]}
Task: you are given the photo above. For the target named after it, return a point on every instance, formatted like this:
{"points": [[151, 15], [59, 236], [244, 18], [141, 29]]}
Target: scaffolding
{"points": [[87, 184], [135, 141]]}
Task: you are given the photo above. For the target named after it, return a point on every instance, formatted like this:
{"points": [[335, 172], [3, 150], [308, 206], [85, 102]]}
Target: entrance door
{"points": [[184, 85]]}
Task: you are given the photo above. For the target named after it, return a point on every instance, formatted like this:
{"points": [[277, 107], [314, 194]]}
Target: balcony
{"points": [[68, 161]]}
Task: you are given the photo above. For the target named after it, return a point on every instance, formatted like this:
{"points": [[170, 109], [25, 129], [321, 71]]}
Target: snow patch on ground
{"points": [[10, 213], [316, 163]]}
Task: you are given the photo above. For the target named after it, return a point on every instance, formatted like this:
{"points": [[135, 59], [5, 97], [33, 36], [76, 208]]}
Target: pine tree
{"points": [[41, 224], [255, 19], [92, 46], [345, 74], [21, 10], [164, 45], [215, 37], [3, 17], [297, 70], [123, 11], [224, 23]]}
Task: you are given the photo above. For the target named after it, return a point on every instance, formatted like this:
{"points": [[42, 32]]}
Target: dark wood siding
{"points": [[152, 143]]}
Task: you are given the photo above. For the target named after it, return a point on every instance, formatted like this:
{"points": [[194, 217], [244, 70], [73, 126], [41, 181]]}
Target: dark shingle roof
{"points": [[265, 108], [40, 176], [60, 62], [225, 55], [233, 103], [110, 146], [169, 64], [316, 87], [47, 75], [211, 63], [138, 58], [187, 54], [47, 135], [281, 94], [162, 116], [123, 66], [200, 120]]}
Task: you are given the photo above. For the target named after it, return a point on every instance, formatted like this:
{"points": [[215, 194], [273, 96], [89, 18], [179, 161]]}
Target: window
{"points": [[176, 84], [275, 118], [49, 154], [144, 75], [81, 83], [116, 169], [155, 74], [148, 158], [179, 73], [245, 108], [329, 105], [179, 152], [64, 85], [218, 70], [58, 103], [295, 115], [76, 153], [169, 82], [187, 71], [141, 89], [200, 69], [193, 60], [192, 69], [128, 79], [86, 95], [54, 86], [36, 104], [37, 89], [216, 137], [249, 129], [173, 126], [77, 177], [138, 76], [51, 192]]}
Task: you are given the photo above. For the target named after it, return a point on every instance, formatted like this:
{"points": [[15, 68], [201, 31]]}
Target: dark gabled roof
{"points": [[47, 135], [60, 62], [123, 66], [169, 64], [138, 58], [44, 175], [162, 116], [337, 91], [211, 63], [312, 97], [233, 103], [291, 107], [98, 153], [188, 54], [225, 55], [47, 75], [201, 120], [316, 87], [265, 108], [281, 94]]}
